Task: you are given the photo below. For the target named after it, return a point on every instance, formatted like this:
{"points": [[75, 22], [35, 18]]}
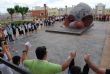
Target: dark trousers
{"points": [[10, 37], [6, 38], [45, 24]]}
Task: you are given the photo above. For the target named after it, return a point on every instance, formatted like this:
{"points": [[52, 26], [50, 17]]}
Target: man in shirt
{"points": [[95, 68], [42, 66], [10, 32]]}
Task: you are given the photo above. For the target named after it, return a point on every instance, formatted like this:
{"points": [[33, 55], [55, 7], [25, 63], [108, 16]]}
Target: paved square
{"points": [[58, 45]]}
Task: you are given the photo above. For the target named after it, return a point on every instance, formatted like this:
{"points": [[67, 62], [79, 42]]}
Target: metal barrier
{"points": [[16, 68]]}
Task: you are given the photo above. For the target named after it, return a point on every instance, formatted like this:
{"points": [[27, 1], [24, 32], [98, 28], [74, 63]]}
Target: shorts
{"points": [[35, 28], [37, 24], [14, 32], [26, 30], [41, 24], [30, 30], [22, 32]]}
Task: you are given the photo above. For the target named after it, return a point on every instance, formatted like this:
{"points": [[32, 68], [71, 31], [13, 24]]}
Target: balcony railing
{"points": [[12, 66]]}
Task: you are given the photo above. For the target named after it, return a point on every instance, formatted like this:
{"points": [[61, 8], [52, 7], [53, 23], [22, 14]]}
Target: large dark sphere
{"points": [[81, 12]]}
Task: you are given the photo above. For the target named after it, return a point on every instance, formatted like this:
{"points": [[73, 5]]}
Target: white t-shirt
{"points": [[20, 28], [5, 69], [37, 21], [5, 32], [41, 22], [5, 57], [29, 25]]}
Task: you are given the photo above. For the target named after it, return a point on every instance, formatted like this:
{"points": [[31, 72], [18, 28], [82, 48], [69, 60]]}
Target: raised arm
{"points": [[25, 53], [6, 51], [93, 66], [67, 61]]}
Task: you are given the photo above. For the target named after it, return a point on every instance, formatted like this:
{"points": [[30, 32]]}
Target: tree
{"points": [[23, 11], [16, 7], [11, 12]]}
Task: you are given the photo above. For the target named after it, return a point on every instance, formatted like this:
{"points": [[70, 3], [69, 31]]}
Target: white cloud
{"points": [[92, 3], [4, 4]]}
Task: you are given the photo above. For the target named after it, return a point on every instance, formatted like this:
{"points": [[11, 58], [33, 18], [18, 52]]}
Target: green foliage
{"points": [[16, 23], [1, 23], [16, 7], [11, 12], [22, 10]]}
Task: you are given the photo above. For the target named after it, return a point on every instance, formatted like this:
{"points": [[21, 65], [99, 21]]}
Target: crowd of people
{"points": [[102, 18], [12, 31], [41, 65]]}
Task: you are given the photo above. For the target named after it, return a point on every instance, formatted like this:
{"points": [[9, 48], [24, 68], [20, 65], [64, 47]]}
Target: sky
{"points": [[4, 4]]}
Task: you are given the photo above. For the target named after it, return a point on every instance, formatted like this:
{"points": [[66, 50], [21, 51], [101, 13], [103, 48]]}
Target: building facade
{"points": [[107, 11], [100, 9], [61, 11], [39, 12], [66, 10], [53, 12]]}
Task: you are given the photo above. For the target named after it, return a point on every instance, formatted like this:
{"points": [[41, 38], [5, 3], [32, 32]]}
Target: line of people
{"points": [[102, 18], [12, 31]]}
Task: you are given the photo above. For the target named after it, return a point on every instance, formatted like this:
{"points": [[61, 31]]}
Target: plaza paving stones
{"points": [[105, 61], [58, 45]]}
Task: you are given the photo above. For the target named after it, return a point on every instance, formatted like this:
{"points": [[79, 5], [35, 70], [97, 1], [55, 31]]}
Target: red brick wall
{"points": [[38, 13]]}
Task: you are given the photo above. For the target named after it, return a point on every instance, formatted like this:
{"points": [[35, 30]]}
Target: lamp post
{"points": [[66, 8], [59, 11], [45, 10]]}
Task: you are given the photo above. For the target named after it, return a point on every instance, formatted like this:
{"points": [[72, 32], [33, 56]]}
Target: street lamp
{"points": [[66, 8], [45, 9], [59, 11]]}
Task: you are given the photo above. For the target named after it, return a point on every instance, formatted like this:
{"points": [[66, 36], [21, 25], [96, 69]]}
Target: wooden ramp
{"points": [[60, 29]]}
